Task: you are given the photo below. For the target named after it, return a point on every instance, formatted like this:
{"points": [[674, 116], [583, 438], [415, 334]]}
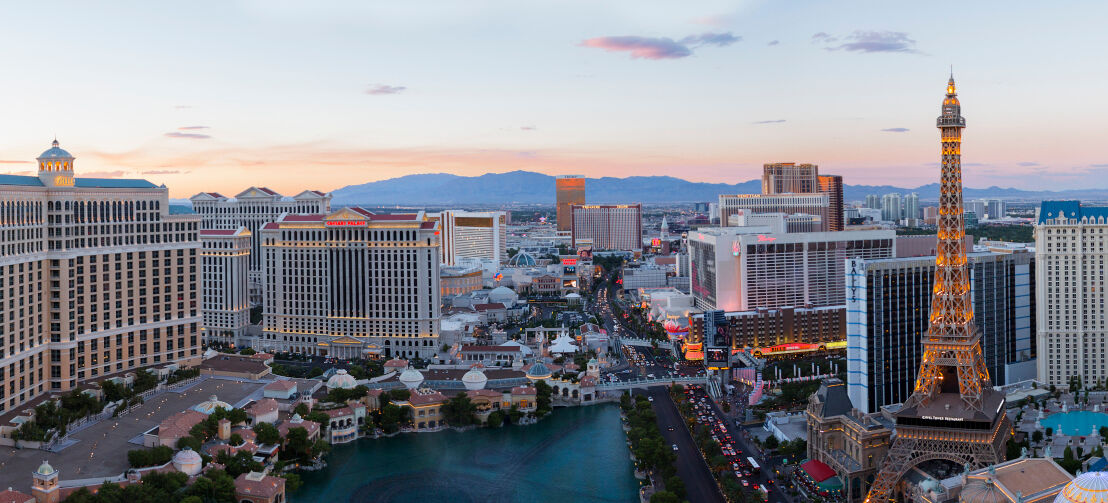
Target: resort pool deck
{"points": [[1076, 423]]}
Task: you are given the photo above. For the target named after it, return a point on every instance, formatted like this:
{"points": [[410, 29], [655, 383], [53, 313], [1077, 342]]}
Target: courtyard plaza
{"points": [[1074, 419], [101, 449]]}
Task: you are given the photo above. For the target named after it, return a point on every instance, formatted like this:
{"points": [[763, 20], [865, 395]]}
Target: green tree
{"points": [[235, 439], [1049, 432], [190, 442], [301, 408], [297, 444], [495, 419], [459, 411], [664, 497], [267, 434], [292, 482], [675, 485], [215, 485], [399, 395], [157, 456], [1037, 436], [771, 442], [391, 417], [542, 398], [315, 372], [238, 464]]}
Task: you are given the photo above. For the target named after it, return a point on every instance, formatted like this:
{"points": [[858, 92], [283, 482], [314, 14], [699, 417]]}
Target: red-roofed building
{"points": [[262, 411], [173, 428], [426, 409], [343, 422], [311, 427], [493, 312], [10, 496], [256, 487]]}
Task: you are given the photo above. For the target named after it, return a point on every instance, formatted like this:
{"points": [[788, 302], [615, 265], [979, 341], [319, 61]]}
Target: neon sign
{"points": [[345, 223], [763, 237], [569, 261]]}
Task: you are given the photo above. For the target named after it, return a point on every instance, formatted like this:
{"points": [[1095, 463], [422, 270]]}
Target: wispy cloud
{"points": [[717, 39], [1027, 163], [869, 42], [773, 42], [895, 130], [528, 128], [164, 172], [775, 121], [191, 128], [717, 20], [190, 136], [660, 47], [104, 174], [382, 89]]}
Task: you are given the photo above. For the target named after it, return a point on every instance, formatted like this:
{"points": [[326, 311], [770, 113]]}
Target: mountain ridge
{"points": [[529, 187]]}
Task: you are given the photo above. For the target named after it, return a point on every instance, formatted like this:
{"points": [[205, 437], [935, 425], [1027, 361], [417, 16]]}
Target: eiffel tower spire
{"points": [[953, 413]]}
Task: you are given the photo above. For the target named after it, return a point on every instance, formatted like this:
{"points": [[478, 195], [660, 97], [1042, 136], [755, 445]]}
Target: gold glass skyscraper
{"points": [[569, 190]]}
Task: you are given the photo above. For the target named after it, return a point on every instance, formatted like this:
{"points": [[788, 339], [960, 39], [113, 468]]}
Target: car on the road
{"points": [[674, 447], [671, 428], [650, 398]]}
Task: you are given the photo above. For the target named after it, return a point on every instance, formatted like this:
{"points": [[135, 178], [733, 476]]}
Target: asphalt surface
{"points": [[700, 486]]}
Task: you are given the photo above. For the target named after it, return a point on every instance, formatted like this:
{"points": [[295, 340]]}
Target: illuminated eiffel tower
{"points": [[953, 414]]}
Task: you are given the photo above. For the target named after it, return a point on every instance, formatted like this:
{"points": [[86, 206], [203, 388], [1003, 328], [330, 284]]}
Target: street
{"points": [[699, 482]]}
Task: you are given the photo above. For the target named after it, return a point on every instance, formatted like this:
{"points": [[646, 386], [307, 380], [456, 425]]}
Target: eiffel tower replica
{"points": [[953, 414]]}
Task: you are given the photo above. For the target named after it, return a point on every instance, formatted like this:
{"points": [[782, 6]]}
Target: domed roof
{"points": [[522, 259], [501, 294], [187, 461], [411, 378], [341, 380], [1089, 487], [55, 152], [538, 371], [45, 469], [209, 406], [982, 491], [475, 379]]}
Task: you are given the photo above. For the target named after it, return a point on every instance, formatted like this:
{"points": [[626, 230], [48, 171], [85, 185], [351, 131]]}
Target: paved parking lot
{"points": [[101, 449]]}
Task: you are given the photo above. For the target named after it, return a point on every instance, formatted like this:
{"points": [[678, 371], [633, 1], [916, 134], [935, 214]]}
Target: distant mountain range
{"points": [[530, 187]]}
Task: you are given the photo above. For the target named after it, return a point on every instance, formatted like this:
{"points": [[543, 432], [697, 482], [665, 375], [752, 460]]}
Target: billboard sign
{"points": [[717, 339]]}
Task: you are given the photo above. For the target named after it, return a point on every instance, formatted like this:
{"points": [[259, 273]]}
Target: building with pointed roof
{"points": [[352, 284], [849, 442], [251, 209]]}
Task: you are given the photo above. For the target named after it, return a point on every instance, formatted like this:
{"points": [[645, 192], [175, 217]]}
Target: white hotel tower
{"points": [[96, 278], [351, 284], [253, 208]]}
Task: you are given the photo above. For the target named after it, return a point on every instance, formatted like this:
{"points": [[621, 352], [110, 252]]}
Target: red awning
{"points": [[818, 470], [694, 355]]}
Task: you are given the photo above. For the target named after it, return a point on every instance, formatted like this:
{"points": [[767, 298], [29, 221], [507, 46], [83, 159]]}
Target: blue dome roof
{"points": [[538, 371], [55, 152]]}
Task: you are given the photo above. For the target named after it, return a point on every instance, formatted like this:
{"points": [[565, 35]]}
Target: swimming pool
{"points": [[1076, 423]]}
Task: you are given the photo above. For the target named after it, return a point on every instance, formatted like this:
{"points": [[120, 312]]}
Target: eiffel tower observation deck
{"points": [[953, 414]]}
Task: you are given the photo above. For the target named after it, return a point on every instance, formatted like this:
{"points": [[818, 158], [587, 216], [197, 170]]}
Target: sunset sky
{"points": [[222, 95]]}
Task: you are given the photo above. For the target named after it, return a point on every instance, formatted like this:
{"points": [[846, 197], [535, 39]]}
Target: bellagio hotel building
{"points": [[96, 278]]}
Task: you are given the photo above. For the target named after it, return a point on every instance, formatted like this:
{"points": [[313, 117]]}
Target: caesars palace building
{"points": [[96, 278], [351, 284]]}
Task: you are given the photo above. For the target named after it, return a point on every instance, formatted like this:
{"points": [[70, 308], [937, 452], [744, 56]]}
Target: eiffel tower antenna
{"points": [[953, 414]]}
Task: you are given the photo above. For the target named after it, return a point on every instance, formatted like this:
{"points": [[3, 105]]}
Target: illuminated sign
{"points": [[735, 248], [345, 223], [569, 261], [655, 242], [763, 237], [941, 418]]}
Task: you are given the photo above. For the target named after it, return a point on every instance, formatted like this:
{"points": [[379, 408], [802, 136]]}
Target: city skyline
{"points": [[241, 94]]}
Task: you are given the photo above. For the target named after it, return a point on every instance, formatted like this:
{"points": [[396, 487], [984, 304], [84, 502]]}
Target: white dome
{"points": [[411, 378], [341, 380], [211, 405], [474, 379], [1089, 487], [187, 461], [503, 295]]}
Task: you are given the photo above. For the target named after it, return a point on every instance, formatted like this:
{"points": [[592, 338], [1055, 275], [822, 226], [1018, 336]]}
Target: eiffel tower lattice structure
{"points": [[953, 414]]}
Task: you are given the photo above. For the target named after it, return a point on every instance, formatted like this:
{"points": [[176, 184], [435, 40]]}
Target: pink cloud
{"points": [[103, 174], [641, 47]]}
